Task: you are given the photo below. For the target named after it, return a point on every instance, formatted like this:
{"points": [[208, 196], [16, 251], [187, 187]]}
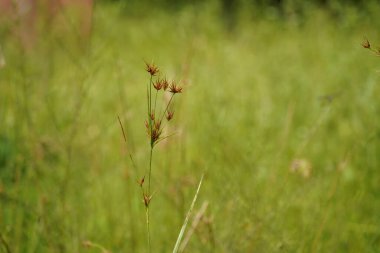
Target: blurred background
{"points": [[279, 109]]}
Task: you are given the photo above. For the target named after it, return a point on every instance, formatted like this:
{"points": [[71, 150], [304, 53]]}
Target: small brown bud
{"points": [[366, 44], [147, 200], [169, 115], [152, 116], [141, 182], [157, 125]]}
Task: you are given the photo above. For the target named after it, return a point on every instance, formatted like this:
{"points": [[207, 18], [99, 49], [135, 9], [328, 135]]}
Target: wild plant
{"points": [[154, 126], [158, 116]]}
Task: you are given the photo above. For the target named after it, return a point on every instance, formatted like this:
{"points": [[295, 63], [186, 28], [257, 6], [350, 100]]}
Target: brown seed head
{"points": [[156, 132], [147, 200], [152, 116], [158, 84], [169, 115], [165, 83], [152, 69], [147, 127], [366, 44], [141, 182], [155, 136], [174, 88], [157, 125]]}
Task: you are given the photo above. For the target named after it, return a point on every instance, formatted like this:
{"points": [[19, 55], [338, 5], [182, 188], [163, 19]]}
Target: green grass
{"points": [[251, 105]]}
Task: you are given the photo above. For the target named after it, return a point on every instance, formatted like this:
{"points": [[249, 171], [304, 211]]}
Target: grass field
{"points": [[282, 116]]}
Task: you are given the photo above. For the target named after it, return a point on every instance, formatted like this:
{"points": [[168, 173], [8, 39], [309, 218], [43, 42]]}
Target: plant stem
{"points": [[149, 97], [155, 101], [167, 106], [150, 168], [147, 227], [149, 196], [182, 231]]}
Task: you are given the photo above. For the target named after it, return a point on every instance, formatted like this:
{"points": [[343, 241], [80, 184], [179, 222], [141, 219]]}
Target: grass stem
{"points": [[148, 228], [183, 228]]}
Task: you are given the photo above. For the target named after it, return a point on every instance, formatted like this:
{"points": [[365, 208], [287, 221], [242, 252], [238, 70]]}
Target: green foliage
{"points": [[281, 113]]}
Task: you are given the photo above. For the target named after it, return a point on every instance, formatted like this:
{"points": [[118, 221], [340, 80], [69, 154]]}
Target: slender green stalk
{"points": [[148, 228], [150, 168], [167, 107], [155, 101], [181, 233], [147, 96], [150, 94], [150, 161], [126, 144]]}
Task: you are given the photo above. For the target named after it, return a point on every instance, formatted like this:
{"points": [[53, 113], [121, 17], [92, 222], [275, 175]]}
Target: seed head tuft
{"points": [[158, 85], [152, 69], [165, 83], [174, 88]]}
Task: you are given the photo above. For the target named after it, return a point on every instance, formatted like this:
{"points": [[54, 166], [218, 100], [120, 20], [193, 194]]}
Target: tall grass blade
{"points": [[181, 233]]}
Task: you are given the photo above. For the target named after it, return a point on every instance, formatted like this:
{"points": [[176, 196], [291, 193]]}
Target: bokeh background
{"points": [[280, 110]]}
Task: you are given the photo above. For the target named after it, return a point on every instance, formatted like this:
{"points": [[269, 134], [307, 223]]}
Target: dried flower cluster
{"points": [[154, 123], [152, 69]]}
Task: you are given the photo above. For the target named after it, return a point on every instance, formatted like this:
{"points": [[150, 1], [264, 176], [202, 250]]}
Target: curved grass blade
{"points": [[181, 233]]}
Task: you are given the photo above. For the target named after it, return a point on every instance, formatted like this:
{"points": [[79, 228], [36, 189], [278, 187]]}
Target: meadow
{"points": [[281, 115]]}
